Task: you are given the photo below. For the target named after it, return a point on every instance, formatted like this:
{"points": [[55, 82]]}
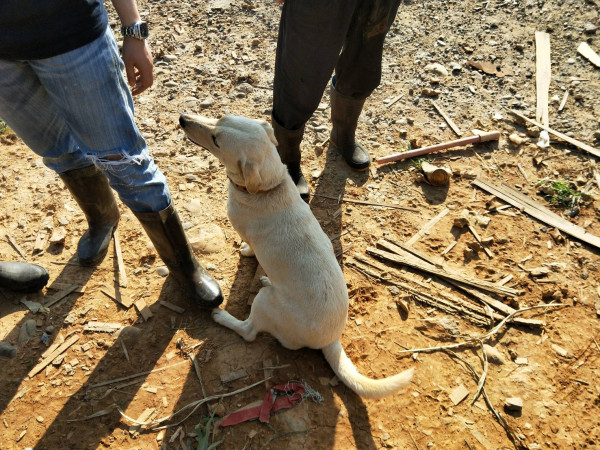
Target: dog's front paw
{"points": [[264, 281], [218, 315], [246, 250]]}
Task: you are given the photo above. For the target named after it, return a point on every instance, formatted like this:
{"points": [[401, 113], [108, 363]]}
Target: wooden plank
{"points": [[37, 369], [447, 118], [122, 275], [586, 51], [428, 226], [116, 296], [542, 75], [102, 327], [537, 210], [411, 261], [143, 309], [60, 295], [172, 307], [564, 137]]}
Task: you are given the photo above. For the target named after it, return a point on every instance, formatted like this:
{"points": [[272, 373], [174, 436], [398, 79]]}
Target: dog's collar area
{"points": [[242, 188]]}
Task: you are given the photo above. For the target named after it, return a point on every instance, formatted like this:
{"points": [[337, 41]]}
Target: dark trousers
{"points": [[318, 36]]}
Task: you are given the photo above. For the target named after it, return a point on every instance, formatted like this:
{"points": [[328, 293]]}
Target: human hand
{"points": [[138, 64]]}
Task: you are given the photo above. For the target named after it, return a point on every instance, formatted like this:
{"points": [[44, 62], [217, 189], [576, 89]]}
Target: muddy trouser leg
{"points": [[76, 111], [357, 74]]}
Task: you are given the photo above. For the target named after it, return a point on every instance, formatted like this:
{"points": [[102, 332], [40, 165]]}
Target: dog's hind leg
{"points": [[242, 327]]}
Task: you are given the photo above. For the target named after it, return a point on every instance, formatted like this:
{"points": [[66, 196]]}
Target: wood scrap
{"points": [[475, 234], [122, 275], [58, 286], [536, 210], [232, 376], [361, 202], [564, 137], [520, 167], [428, 226], [450, 247], [52, 300], [61, 349], [134, 430], [172, 307], [542, 75], [563, 101], [117, 297], [447, 118], [436, 175], [143, 309], [412, 261], [480, 296], [587, 52], [102, 327], [14, 245]]}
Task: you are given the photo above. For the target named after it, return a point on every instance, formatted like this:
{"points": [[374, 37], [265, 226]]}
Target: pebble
{"points": [[514, 404], [169, 58], [7, 350], [27, 330], [589, 28], [171, 84], [50, 329], [436, 69], [162, 271], [493, 355], [207, 102], [516, 139]]}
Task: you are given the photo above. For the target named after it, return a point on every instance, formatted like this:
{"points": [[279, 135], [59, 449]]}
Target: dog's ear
{"points": [[269, 131], [252, 177]]}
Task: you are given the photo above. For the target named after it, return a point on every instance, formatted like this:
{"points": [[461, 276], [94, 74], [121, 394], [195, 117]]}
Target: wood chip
{"points": [[428, 226], [122, 275], [134, 430], [232, 376], [41, 366], [172, 307], [117, 297], [14, 244], [459, 394], [587, 52], [102, 327], [447, 118], [60, 295], [143, 309]]}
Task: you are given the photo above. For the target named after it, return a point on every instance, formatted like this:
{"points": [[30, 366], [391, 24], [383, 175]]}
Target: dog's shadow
{"points": [[327, 207]]}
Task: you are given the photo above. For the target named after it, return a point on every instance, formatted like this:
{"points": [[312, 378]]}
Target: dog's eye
{"points": [[214, 137]]}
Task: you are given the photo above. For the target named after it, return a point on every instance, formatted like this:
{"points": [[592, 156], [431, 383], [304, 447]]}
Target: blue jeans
{"points": [[76, 110]]}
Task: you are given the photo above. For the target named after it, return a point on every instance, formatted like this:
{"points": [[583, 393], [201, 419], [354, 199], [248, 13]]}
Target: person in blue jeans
{"points": [[318, 38], [63, 92]]}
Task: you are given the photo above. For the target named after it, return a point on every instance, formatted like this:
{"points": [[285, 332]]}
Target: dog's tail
{"points": [[363, 386]]}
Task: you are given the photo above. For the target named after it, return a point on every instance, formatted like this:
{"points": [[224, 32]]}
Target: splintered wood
{"points": [[542, 75]]}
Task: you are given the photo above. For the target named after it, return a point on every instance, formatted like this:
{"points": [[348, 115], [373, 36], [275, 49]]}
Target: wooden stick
{"points": [[60, 295], [37, 369], [564, 101], [447, 118], [483, 137], [520, 167], [122, 275], [361, 202], [12, 242], [428, 226], [537, 210], [141, 374], [586, 51], [564, 137], [542, 75]]}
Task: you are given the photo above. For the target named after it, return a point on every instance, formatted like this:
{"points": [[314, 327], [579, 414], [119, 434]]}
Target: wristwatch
{"points": [[138, 30]]}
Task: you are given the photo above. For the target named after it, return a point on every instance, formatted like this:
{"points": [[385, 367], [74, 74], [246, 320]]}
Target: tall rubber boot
{"points": [[22, 277], [345, 112], [94, 196], [166, 233], [288, 147]]}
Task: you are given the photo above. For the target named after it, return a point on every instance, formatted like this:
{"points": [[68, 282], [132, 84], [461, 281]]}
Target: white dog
{"points": [[304, 301]]}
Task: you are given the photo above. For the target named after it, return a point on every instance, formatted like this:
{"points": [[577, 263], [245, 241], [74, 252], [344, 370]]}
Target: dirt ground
{"points": [[217, 57]]}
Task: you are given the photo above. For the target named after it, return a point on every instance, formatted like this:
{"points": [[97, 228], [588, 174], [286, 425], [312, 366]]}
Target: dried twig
{"points": [[486, 336]]}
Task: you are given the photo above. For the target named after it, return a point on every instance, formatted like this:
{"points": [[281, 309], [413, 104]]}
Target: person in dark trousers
{"points": [[63, 92], [316, 38]]}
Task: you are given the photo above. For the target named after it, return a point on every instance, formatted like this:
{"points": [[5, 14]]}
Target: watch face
{"points": [[143, 30]]}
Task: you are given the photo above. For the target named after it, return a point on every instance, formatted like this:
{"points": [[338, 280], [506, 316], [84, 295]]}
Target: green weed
{"points": [[560, 193], [203, 431]]}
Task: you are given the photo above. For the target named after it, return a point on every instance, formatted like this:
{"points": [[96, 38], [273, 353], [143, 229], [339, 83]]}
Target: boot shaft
{"points": [[345, 111]]}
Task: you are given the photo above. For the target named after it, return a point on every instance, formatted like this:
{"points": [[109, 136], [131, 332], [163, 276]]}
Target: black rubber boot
{"points": [[94, 196], [166, 233], [345, 112], [22, 277], [288, 147]]}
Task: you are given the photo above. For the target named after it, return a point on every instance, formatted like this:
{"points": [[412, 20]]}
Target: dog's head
{"points": [[246, 147]]}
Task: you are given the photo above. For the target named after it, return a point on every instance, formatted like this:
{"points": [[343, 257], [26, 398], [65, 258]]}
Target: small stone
{"points": [[40, 419], [50, 329], [589, 28], [522, 361], [516, 139], [58, 236], [162, 271], [171, 84], [207, 102], [169, 58], [27, 330], [513, 404], [436, 69], [538, 272], [561, 351], [7, 350], [493, 355]]}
